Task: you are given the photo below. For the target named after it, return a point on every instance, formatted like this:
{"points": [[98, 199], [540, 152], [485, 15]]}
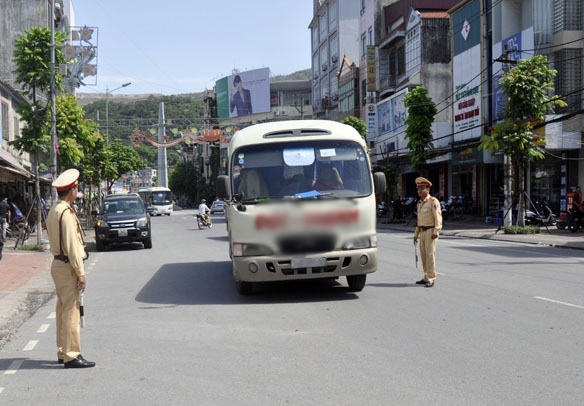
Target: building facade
{"points": [[333, 29], [510, 30], [16, 179], [413, 49]]}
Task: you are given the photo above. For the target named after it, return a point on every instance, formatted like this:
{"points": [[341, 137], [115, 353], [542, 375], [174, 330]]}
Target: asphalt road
{"points": [[166, 326]]}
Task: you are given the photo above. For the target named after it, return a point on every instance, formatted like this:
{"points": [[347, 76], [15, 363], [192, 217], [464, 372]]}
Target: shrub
{"points": [[521, 230]]}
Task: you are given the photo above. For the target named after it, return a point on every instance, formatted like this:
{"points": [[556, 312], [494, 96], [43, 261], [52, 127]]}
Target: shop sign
{"points": [[371, 76], [468, 156], [371, 122]]}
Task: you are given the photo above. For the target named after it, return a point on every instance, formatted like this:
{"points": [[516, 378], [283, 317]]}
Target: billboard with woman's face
{"points": [[243, 93]]}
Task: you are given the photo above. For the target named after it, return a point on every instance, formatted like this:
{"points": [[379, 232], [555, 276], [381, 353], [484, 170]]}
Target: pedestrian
{"points": [[4, 216], [428, 229], [68, 249]]}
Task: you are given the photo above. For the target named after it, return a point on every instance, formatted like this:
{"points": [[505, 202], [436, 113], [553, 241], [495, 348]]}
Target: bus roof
{"points": [[296, 130], [154, 189]]}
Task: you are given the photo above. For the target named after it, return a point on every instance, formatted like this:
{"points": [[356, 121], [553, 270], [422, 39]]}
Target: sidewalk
{"points": [[476, 229]]}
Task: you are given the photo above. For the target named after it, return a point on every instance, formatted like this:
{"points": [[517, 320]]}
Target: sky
{"points": [[184, 46]]}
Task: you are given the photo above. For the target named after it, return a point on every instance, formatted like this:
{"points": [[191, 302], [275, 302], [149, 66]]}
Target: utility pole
{"points": [[507, 163], [162, 165], [53, 128]]}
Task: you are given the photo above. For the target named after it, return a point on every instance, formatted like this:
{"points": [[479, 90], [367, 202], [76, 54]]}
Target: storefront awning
{"points": [[15, 171], [11, 164]]}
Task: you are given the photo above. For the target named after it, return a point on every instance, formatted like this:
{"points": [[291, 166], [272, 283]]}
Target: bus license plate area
{"points": [[123, 232], [308, 262]]}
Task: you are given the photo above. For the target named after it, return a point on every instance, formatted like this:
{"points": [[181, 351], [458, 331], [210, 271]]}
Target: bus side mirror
{"points": [[222, 187], [379, 183]]}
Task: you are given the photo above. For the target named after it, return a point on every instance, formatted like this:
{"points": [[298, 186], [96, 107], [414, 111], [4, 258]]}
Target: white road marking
{"points": [[438, 273], [52, 315], [558, 302], [462, 243], [43, 328], [13, 368], [30, 345], [1, 389]]}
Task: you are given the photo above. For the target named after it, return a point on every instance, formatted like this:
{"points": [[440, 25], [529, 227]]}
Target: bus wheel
{"points": [[244, 288], [356, 282]]}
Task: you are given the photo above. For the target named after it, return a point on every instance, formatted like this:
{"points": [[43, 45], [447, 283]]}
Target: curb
{"points": [[462, 234]]}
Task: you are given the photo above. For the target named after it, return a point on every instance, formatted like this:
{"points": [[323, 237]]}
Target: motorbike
{"points": [[545, 217], [575, 221], [562, 220], [381, 210], [201, 222]]}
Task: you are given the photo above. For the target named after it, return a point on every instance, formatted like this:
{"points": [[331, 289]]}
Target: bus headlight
{"points": [[143, 222], [250, 250], [361, 242]]}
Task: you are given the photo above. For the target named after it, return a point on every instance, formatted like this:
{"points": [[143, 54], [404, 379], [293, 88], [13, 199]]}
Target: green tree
{"points": [[185, 179], [32, 58], [120, 159], [528, 88], [421, 112], [357, 124], [77, 135]]}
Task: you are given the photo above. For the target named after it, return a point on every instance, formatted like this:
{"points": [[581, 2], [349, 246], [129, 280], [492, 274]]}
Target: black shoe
{"points": [[421, 282], [429, 284], [79, 362], [60, 361]]}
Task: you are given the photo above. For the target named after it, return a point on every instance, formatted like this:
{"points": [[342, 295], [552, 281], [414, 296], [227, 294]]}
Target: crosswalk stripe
{"points": [[30, 345], [13, 368]]}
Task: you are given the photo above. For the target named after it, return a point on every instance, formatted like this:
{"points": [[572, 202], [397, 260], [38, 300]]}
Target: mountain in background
{"points": [[87, 98]]}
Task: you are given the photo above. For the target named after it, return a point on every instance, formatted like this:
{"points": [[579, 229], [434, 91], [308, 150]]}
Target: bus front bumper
{"points": [[278, 268]]}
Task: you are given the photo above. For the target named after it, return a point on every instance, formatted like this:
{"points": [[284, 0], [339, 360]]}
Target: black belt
{"points": [[63, 258], [424, 228]]}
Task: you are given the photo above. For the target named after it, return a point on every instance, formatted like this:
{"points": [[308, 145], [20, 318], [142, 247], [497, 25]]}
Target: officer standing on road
{"points": [[68, 248], [428, 229]]}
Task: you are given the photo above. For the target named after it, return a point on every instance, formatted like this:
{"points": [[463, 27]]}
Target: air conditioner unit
{"points": [[283, 112], [276, 113], [324, 67], [334, 58]]}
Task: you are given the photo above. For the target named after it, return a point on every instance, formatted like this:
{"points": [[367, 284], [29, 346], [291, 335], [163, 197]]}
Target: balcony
{"points": [[387, 84]]}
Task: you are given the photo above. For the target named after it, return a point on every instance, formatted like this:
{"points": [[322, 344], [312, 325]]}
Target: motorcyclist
{"points": [[204, 211]]}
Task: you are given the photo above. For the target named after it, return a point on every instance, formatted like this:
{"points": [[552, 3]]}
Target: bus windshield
{"points": [[161, 198], [301, 170]]}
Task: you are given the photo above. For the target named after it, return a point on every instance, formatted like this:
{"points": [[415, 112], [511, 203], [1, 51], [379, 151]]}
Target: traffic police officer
{"points": [[68, 249], [428, 229]]}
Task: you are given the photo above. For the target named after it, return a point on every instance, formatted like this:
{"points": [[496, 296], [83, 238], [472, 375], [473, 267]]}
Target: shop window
{"points": [[5, 131]]}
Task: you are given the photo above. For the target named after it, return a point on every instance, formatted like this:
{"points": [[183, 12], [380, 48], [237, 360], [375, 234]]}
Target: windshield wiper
{"points": [[256, 200]]}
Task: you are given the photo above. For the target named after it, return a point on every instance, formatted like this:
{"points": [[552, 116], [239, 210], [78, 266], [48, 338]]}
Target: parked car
{"points": [[217, 207], [122, 219]]}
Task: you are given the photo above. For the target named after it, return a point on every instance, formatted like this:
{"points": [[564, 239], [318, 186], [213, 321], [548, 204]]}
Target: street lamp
{"points": [[107, 93]]}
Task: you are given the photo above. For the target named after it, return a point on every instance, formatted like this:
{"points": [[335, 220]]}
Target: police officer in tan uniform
{"points": [[428, 229], [68, 249]]}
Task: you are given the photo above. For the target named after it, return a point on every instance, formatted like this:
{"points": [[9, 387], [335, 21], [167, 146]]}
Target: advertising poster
{"points": [[391, 121], [466, 72], [522, 40], [371, 122], [246, 93]]}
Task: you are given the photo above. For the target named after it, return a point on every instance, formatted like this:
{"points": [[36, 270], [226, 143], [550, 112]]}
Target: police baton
{"points": [[416, 253], [81, 310]]}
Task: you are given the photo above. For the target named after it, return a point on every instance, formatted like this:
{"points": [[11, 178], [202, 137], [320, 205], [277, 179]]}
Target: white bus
{"points": [[300, 203], [158, 200]]}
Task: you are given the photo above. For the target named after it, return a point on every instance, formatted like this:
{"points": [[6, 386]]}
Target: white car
{"points": [[217, 207]]}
